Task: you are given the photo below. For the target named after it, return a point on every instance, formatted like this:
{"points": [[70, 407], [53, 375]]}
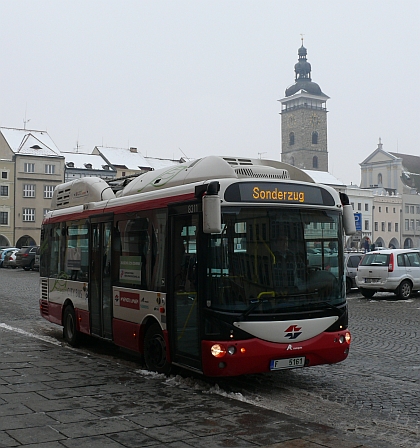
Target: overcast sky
{"points": [[204, 77]]}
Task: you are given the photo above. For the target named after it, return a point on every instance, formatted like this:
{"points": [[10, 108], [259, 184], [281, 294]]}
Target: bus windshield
{"points": [[271, 260]]}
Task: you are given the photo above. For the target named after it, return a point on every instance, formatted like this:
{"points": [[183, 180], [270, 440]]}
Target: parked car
{"points": [[25, 257], [351, 262], [10, 259], [36, 263], [4, 252], [392, 270]]}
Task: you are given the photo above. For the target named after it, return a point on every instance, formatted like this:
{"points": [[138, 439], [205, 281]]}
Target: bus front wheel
{"points": [[155, 350], [70, 333]]}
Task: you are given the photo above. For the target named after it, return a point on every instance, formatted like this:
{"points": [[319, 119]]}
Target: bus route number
{"points": [[193, 208]]}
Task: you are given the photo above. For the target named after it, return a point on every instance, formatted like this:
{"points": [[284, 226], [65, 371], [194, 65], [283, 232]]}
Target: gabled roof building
{"points": [[38, 168]]}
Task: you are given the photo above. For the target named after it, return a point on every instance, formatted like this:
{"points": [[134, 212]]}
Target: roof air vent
{"points": [[261, 172]]}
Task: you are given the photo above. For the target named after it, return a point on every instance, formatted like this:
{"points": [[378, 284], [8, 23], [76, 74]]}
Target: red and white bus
{"points": [[224, 266]]}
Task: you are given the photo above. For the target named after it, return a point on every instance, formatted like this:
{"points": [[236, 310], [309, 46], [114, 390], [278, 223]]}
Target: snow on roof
{"points": [[30, 142], [161, 163], [80, 160], [323, 177], [131, 159]]}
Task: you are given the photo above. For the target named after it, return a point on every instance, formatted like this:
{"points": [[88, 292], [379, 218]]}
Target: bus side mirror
{"points": [[212, 210], [349, 223], [348, 220]]}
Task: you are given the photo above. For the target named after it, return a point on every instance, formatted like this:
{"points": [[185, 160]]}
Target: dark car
{"points": [[36, 264], [25, 257]]}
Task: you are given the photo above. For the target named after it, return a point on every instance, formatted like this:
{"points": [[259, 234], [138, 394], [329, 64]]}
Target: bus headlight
{"points": [[348, 337], [218, 351]]}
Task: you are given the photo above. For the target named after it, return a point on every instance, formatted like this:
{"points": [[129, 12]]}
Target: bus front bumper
{"points": [[258, 356]]}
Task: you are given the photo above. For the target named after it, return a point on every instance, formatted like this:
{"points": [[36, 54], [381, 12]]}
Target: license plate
{"points": [[372, 280], [289, 363]]}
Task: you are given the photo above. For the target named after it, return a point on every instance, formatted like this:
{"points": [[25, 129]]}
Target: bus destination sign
{"points": [[279, 192]]}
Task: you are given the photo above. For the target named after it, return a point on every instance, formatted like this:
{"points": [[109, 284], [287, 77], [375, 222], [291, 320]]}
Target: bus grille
{"points": [[44, 289], [43, 305]]}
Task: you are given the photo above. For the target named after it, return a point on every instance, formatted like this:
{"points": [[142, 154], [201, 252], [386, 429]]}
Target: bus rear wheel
{"points": [[70, 333], [155, 350]]}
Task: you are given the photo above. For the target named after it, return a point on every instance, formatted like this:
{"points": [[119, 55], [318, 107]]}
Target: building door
{"points": [[100, 288]]}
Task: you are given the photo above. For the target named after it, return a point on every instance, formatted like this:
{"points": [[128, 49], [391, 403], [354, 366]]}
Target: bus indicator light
{"points": [[162, 309], [243, 350]]}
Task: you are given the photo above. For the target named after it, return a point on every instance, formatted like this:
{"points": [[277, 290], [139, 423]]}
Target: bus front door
{"points": [[100, 289], [185, 328]]}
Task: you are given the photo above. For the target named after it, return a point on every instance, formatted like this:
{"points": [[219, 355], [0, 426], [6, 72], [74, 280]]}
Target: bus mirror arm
{"points": [[212, 210]]}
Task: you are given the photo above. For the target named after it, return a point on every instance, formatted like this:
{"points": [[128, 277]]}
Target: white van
{"points": [[392, 270]]}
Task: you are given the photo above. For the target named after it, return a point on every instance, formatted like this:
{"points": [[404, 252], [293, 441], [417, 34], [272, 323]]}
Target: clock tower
{"points": [[304, 120]]}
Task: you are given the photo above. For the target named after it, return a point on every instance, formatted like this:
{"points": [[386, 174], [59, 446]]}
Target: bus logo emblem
{"points": [[293, 332]]}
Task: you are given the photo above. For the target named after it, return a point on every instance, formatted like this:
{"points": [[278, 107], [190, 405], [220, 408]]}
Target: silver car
{"points": [[351, 262], [391, 270]]}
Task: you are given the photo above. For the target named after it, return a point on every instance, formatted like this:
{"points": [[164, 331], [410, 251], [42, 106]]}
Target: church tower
{"points": [[304, 120]]}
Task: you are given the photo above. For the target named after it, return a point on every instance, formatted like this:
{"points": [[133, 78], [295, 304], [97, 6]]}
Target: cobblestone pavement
{"points": [[372, 398], [375, 392]]}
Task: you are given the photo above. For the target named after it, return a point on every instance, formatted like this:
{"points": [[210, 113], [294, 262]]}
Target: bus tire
{"points": [[155, 350], [70, 333], [404, 290], [368, 293]]}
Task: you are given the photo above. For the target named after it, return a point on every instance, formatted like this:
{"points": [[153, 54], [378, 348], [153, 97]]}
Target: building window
{"points": [[379, 179], [46, 210], [376, 226], [4, 218], [386, 209], [314, 138], [48, 191], [28, 191], [390, 227], [49, 169], [366, 224], [383, 226], [291, 138], [406, 224], [366, 207], [4, 175], [359, 206], [352, 205], [407, 209], [396, 227], [418, 209], [380, 209], [4, 190], [28, 215], [315, 162], [412, 209], [29, 167], [394, 210]]}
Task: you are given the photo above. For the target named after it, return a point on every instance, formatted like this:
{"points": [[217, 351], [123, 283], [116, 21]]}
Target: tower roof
{"points": [[303, 79]]}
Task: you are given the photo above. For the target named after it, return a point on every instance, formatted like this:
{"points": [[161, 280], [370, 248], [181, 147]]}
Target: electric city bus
{"points": [[225, 266]]}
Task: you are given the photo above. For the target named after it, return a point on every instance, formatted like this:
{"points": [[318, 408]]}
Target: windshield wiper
{"points": [[333, 307], [255, 302]]}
